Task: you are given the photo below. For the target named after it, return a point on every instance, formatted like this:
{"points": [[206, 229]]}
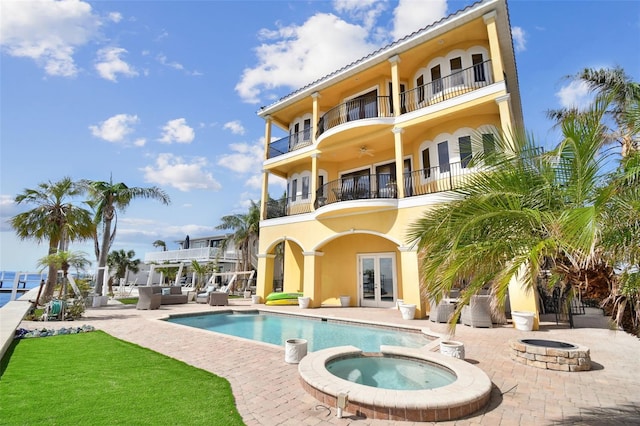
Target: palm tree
{"points": [[246, 228], [64, 260], [623, 108], [526, 211], [201, 272], [123, 262], [106, 199], [160, 243], [621, 242], [54, 219]]}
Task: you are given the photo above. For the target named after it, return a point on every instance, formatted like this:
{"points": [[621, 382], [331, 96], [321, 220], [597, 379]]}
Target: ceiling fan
{"points": [[365, 151]]}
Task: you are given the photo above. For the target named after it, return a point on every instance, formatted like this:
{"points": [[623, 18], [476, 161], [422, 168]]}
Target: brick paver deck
{"points": [[268, 391]]}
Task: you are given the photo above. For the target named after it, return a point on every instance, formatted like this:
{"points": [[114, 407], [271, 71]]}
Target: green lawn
{"points": [[95, 379]]}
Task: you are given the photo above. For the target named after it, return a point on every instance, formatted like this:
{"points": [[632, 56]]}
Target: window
{"points": [[426, 163], [478, 67], [296, 130], [364, 106], [294, 189], [305, 187], [443, 156], [321, 188], [457, 77], [307, 129], [420, 84], [465, 150], [488, 144], [436, 81]]}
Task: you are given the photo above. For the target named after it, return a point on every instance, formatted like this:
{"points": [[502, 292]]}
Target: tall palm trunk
{"points": [[104, 252], [52, 278]]}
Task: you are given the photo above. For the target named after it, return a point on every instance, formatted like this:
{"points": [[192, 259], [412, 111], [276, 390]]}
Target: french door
{"points": [[377, 279]]}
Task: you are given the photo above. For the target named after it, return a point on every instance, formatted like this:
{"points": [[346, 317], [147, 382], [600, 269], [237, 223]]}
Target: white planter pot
{"points": [[408, 311], [247, 294], [345, 301], [452, 348], [522, 320], [295, 350], [303, 302], [398, 303], [100, 301], [255, 299]]}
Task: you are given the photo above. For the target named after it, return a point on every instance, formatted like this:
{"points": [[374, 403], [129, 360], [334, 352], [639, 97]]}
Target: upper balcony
{"points": [[200, 254], [372, 106]]}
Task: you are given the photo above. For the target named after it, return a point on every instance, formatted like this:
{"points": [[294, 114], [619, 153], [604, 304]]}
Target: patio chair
{"points": [[441, 312], [204, 296], [478, 312], [147, 299], [220, 297]]}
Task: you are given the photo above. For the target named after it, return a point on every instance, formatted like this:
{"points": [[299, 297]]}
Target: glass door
{"points": [[377, 276]]}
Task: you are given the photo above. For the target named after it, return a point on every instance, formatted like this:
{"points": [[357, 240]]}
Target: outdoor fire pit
{"points": [[550, 354]]}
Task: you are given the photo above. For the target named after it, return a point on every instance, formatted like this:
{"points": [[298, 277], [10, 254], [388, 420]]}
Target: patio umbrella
{"points": [[186, 242]]}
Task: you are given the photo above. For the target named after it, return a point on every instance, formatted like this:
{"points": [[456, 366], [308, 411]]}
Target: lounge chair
{"points": [[147, 299], [204, 296], [478, 312]]}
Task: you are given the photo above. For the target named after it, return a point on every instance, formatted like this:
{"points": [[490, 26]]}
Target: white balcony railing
{"points": [[186, 255]]}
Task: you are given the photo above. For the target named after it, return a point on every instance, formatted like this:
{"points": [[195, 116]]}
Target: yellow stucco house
{"points": [[372, 145]]}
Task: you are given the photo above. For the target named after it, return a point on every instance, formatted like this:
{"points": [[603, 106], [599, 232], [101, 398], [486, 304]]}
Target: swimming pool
{"points": [[319, 333]]}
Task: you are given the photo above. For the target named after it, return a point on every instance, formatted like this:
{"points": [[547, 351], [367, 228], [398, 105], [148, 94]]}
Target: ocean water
{"points": [[32, 280]]}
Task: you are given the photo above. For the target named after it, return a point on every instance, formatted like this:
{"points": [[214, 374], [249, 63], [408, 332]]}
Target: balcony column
{"points": [[312, 284], [409, 269], [399, 153], [395, 84], [494, 46], [264, 281], [314, 179], [314, 120], [265, 174], [506, 115]]}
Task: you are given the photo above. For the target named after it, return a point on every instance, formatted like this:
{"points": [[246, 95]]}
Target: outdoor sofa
{"points": [[151, 297]]}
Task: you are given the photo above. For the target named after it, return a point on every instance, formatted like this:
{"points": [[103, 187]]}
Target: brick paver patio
{"points": [[268, 391]]}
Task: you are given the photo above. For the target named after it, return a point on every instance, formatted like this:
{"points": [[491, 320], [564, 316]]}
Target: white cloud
{"points": [[294, 56], [411, 15], [175, 171], [115, 17], [576, 94], [245, 159], [365, 11], [48, 32], [175, 65], [519, 39], [116, 128], [235, 127], [109, 64], [177, 131]]}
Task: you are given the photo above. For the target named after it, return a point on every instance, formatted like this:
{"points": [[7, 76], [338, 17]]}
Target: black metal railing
{"points": [[290, 143], [456, 84], [289, 206], [355, 109], [357, 188], [436, 179]]}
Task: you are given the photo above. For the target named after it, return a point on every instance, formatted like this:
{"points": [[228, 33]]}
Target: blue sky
{"points": [[165, 93]]}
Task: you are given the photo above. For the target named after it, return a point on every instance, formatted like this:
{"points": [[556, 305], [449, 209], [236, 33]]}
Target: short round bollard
{"points": [[295, 350], [452, 348]]}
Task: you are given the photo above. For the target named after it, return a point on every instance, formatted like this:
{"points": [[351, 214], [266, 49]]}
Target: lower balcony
{"points": [[369, 191]]}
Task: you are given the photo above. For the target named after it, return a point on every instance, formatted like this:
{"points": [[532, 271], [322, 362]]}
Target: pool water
{"points": [[389, 372], [276, 329]]}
